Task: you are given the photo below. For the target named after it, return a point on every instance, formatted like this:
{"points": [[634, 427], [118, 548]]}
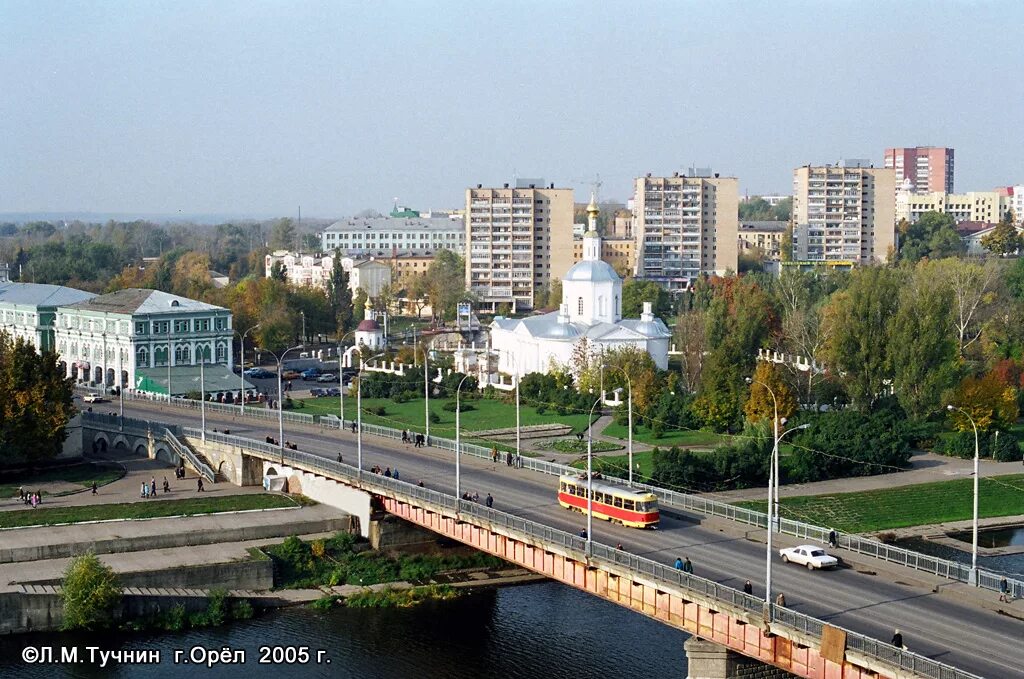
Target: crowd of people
{"points": [[33, 499], [149, 489]]}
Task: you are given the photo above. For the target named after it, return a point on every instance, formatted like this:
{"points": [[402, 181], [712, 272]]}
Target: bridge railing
{"points": [[545, 535], [946, 568], [186, 452]]}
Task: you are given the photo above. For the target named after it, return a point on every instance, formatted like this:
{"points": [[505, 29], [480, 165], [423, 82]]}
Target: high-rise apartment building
{"points": [[685, 227], [843, 214], [517, 241], [929, 168]]}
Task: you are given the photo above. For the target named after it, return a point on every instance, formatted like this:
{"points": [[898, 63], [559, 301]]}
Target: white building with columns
{"points": [[590, 318], [147, 340]]}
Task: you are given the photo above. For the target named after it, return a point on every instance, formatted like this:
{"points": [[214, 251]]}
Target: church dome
{"points": [[368, 325], [592, 271]]}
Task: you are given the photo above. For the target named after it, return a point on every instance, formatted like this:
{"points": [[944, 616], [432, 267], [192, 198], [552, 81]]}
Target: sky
{"points": [[258, 108]]}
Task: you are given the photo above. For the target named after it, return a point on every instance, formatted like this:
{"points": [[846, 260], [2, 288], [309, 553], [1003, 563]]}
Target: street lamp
{"points": [[341, 380], [426, 388], [973, 575], [241, 372], [458, 445], [280, 394], [518, 377], [202, 392], [590, 476], [629, 408], [359, 415]]}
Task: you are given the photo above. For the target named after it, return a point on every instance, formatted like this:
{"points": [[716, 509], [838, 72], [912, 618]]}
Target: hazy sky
{"points": [[259, 107]]}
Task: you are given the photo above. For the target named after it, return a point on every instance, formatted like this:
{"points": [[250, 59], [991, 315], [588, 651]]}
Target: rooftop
{"points": [[40, 294], [141, 301], [396, 224], [763, 226]]}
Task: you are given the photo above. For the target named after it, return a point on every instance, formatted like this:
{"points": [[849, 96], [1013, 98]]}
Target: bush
{"points": [[90, 592], [435, 418], [401, 397], [961, 444], [463, 406], [541, 408]]}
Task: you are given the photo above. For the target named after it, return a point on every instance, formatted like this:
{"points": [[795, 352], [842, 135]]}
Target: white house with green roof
{"points": [[147, 340]]}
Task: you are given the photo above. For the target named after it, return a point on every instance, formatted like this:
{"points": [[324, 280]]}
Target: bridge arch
{"points": [[120, 442], [100, 442], [164, 454], [142, 449], [226, 469]]}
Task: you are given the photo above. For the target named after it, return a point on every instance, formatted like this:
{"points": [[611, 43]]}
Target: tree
{"points": [[689, 338], [635, 292], [760, 405], [922, 352], [974, 296], [990, 404], [1004, 239], [90, 592], [446, 283], [339, 296], [279, 272], [35, 403], [857, 323], [933, 235], [282, 235]]}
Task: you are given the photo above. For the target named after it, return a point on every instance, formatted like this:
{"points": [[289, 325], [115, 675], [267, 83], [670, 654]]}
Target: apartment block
{"points": [[517, 241], [685, 226], [619, 251], [925, 169], [383, 236], [975, 206], [843, 213], [763, 237]]}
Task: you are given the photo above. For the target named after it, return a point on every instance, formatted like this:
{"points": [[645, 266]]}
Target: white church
{"points": [[591, 313]]}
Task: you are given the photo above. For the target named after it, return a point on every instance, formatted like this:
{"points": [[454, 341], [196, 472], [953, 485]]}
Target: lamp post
{"points": [[359, 415], [426, 388], [458, 444], [517, 377], [241, 373], [341, 380], [973, 575], [629, 409], [280, 393], [590, 476], [170, 353], [202, 393]]}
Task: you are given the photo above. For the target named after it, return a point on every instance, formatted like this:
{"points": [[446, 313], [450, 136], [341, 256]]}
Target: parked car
{"points": [[291, 375], [808, 555], [316, 393], [310, 373], [333, 391], [327, 377], [94, 398]]}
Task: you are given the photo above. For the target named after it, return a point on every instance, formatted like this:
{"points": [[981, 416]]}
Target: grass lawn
{"points": [[579, 447], [487, 414], [618, 465], [917, 505], [81, 474], [45, 516], [671, 437]]}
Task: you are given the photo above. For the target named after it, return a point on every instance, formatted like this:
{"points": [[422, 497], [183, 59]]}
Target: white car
{"points": [[94, 398], [808, 555]]}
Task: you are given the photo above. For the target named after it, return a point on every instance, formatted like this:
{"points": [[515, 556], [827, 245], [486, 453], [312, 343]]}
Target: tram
{"points": [[611, 502]]}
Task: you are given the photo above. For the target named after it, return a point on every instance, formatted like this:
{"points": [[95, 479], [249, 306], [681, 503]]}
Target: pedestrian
{"points": [[394, 474], [199, 484], [476, 497], [21, 493], [353, 427], [152, 487], [1004, 591], [679, 564], [832, 538], [494, 454], [405, 436], [339, 458], [167, 486], [748, 588], [35, 501], [142, 493], [421, 440], [897, 639], [508, 458], [387, 472], [780, 600], [688, 566], [519, 460], [421, 484], [489, 501], [583, 533], [93, 487], [619, 546]]}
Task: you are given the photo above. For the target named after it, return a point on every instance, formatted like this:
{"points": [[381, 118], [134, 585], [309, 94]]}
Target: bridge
{"points": [[833, 632]]}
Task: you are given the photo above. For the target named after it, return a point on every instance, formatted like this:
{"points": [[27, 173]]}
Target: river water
{"points": [[526, 632]]}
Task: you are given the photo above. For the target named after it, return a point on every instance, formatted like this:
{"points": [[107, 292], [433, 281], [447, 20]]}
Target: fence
{"points": [[163, 432], [946, 568], [542, 535]]}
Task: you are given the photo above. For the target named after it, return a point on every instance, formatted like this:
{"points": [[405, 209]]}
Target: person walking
{"points": [[897, 639], [167, 486], [748, 588], [93, 487], [145, 490], [199, 484], [832, 542], [688, 566], [152, 487], [339, 458], [1004, 591], [387, 472], [508, 458], [394, 474], [489, 501], [679, 564], [519, 461], [780, 600], [494, 454]]}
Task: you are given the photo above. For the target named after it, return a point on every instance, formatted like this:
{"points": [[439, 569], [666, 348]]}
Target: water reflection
{"points": [[998, 537]]}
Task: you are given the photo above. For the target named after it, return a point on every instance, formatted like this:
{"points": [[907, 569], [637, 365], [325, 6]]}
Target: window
{"points": [[618, 502], [181, 326], [141, 328], [628, 505], [142, 357], [160, 355], [202, 325], [222, 353], [182, 354]]}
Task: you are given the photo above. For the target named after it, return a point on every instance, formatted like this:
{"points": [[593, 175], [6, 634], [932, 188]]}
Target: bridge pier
{"points": [[708, 660]]}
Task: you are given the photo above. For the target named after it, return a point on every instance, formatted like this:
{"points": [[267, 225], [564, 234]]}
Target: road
{"points": [[941, 627]]}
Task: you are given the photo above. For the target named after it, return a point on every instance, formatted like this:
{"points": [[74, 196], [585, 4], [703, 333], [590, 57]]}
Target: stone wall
{"points": [[355, 503], [392, 533], [252, 574]]}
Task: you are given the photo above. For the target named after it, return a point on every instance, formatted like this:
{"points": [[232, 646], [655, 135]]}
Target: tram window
{"points": [[618, 502], [599, 498], [641, 506], [563, 486], [628, 505]]}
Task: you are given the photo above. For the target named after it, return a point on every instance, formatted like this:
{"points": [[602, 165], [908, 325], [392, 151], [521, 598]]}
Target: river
{"points": [[523, 632]]}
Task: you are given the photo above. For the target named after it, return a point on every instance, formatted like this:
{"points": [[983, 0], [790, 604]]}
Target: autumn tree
{"points": [[1004, 239], [857, 323], [35, 403], [760, 404], [445, 283], [689, 337], [989, 402]]}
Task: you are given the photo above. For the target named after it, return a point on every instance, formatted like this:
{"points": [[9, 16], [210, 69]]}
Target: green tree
{"points": [[857, 324], [445, 283], [922, 351], [339, 296], [635, 292], [282, 235], [933, 235], [279, 272], [90, 592], [1004, 239], [35, 403]]}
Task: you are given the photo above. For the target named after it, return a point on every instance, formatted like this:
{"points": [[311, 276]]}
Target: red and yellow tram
{"points": [[611, 502]]}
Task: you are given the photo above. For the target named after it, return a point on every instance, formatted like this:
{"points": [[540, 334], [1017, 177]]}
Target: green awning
{"points": [[185, 379]]}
